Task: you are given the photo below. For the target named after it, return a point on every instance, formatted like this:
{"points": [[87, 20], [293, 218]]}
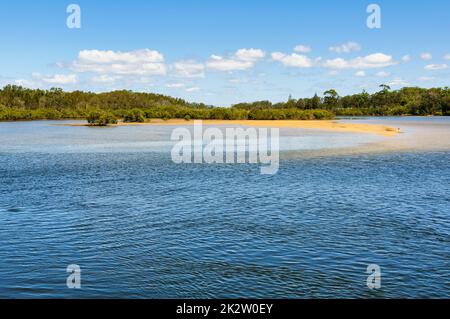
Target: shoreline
{"points": [[327, 125]]}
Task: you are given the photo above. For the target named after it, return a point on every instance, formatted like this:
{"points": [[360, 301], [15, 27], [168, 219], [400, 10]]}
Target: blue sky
{"points": [[225, 51]]}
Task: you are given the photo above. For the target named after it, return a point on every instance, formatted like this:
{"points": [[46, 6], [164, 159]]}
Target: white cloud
{"points": [[426, 56], [24, 83], [143, 62], [432, 67], [192, 89], [293, 60], [398, 82], [189, 69], [406, 58], [105, 79], [107, 57], [377, 60], [57, 79], [360, 73], [302, 48], [382, 74], [221, 64], [175, 85], [346, 47], [447, 56], [242, 59], [252, 55]]}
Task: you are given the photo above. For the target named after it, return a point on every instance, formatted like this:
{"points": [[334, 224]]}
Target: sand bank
{"points": [[334, 126]]}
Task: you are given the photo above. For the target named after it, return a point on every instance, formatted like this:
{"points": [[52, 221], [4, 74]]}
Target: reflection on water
{"points": [[141, 226], [47, 136]]}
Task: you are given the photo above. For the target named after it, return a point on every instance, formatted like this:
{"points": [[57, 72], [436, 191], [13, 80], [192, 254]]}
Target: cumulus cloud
{"points": [[302, 48], [220, 64], [293, 60], [432, 67], [360, 73], [242, 59], [189, 69], [447, 56], [131, 57], [426, 56], [377, 60], [345, 48], [143, 62], [252, 55], [105, 79], [57, 79]]}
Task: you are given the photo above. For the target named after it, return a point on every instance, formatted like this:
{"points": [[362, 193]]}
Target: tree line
{"points": [[386, 102], [19, 103]]}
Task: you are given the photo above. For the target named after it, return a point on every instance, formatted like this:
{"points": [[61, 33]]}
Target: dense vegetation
{"points": [[407, 101], [18, 103], [101, 118]]}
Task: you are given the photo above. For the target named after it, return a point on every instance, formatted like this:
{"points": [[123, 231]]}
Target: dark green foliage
{"points": [[18, 103], [135, 115], [407, 101], [289, 114], [101, 118]]}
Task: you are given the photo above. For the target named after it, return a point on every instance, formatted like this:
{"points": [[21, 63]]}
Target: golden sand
{"points": [[315, 124], [413, 138]]}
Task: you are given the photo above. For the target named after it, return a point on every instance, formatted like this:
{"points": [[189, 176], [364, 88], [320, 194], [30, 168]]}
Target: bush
{"points": [[322, 114], [397, 110], [135, 115], [101, 118]]}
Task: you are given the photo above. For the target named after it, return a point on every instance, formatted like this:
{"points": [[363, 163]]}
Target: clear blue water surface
{"points": [[112, 201]]}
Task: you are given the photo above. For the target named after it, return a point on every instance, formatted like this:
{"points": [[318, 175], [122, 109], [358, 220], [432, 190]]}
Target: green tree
{"points": [[315, 102], [385, 88], [101, 118], [331, 98], [135, 115]]}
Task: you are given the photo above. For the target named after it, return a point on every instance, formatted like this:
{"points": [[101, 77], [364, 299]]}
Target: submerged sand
{"points": [[413, 136]]}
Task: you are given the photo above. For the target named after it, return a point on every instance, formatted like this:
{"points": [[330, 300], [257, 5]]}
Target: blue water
{"points": [[140, 226]]}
